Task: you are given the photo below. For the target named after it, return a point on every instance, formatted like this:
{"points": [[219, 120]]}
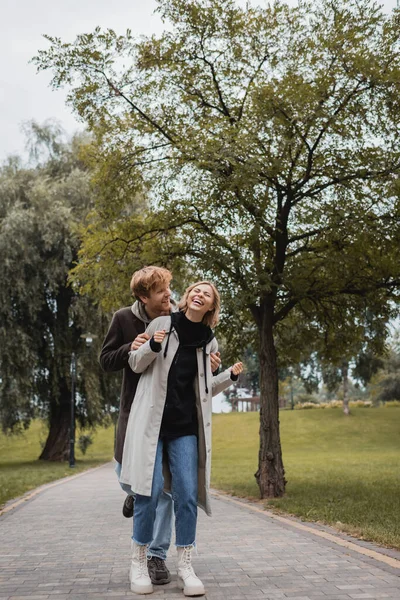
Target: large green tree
{"points": [[42, 318], [267, 140]]}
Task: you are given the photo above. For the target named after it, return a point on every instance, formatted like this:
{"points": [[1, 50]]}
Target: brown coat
{"points": [[125, 326]]}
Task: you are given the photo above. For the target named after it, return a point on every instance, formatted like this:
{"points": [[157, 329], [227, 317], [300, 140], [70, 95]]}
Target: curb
{"points": [[12, 504], [245, 503]]}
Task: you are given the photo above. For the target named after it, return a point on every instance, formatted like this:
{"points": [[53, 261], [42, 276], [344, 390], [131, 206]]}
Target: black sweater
{"points": [[180, 413]]}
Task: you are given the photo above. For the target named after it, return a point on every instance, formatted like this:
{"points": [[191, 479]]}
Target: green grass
{"points": [[20, 471], [341, 471]]}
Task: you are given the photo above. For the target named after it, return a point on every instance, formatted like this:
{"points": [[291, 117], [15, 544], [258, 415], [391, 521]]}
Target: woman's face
{"points": [[201, 299]]}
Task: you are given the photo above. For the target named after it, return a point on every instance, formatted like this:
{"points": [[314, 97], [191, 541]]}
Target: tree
{"points": [[42, 317], [268, 141]]}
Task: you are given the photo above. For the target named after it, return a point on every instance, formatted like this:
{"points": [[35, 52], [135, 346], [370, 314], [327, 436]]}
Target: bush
{"points": [[84, 442], [306, 398], [360, 403], [305, 405], [333, 404], [392, 403]]}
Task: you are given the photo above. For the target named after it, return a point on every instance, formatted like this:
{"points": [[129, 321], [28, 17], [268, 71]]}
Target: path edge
{"points": [[292, 522], [15, 502]]}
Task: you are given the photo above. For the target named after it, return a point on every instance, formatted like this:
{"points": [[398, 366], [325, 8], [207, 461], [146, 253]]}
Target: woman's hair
{"points": [[211, 317], [147, 279]]}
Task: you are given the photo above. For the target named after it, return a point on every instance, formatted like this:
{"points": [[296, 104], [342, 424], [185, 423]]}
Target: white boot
{"points": [[139, 575], [187, 579]]}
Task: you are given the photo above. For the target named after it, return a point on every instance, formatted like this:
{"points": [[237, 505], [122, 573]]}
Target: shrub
{"points": [[335, 404], [307, 399], [391, 403], [305, 405], [360, 403], [84, 442]]}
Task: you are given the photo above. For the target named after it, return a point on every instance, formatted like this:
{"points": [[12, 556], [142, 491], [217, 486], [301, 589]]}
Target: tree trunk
{"points": [[345, 375], [271, 474], [57, 444]]}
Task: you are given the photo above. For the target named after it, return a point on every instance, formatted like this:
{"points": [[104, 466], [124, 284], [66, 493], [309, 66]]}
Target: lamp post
{"points": [[72, 424], [88, 337]]}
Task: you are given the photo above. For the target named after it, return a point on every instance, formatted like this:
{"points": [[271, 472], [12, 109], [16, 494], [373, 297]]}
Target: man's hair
{"points": [[147, 279], [211, 317]]}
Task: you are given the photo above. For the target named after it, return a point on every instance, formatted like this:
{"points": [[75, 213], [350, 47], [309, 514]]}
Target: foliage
{"points": [[84, 441], [333, 404], [385, 384], [266, 141], [42, 318], [237, 116]]}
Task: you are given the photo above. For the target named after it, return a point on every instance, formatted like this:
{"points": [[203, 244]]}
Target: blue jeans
{"points": [[161, 535], [182, 456]]}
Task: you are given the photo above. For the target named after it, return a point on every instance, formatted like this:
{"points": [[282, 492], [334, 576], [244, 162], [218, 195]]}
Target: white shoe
{"points": [[187, 578], [138, 574]]}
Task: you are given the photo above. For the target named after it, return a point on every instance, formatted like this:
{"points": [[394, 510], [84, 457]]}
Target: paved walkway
{"points": [[71, 542]]}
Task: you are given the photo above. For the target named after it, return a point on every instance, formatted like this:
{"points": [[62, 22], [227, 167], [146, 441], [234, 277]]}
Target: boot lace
{"points": [[187, 560], [141, 555]]}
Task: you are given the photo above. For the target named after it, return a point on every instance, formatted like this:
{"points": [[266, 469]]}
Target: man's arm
{"points": [[114, 352]]}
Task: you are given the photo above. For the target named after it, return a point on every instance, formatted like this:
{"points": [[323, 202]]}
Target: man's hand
{"points": [[237, 368], [159, 336], [139, 341], [215, 361]]}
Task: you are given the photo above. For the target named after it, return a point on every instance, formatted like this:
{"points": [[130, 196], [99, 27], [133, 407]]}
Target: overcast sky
{"points": [[24, 95]]}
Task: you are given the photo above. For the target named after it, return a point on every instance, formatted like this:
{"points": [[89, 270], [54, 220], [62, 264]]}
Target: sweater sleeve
{"points": [[221, 382], [114, 352]]}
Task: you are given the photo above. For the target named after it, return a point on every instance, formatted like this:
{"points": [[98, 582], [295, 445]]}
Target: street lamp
{"points": [[88, 337]]}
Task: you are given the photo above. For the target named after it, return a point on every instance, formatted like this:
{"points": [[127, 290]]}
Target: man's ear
{"points": [[143, 299]]}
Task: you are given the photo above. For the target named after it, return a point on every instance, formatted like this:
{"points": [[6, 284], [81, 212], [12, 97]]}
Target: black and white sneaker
{"points": [[158, 571], [127, 509]]}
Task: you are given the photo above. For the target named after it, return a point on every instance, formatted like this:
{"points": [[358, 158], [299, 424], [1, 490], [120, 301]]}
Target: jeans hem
{"points": [[186, 545], [140, 543], [154, 555]]}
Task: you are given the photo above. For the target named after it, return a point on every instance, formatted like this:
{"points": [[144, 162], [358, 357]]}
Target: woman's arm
{"points": [[141, 358]]}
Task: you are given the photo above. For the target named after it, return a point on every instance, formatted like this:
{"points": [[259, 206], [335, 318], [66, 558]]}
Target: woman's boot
{"points": [[187, 578], [139, 575]]}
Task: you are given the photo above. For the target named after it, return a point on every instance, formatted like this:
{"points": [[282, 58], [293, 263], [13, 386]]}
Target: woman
{"points": [[168, 441]]}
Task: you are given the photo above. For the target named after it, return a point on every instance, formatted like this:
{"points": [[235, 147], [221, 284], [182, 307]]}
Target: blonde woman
{"points": [[168, 441]]}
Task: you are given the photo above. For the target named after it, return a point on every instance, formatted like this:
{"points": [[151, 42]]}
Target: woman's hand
{"points": [[237, 368], [159, 336]]}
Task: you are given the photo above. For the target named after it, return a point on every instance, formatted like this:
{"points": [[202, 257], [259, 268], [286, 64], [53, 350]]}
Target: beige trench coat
{"points": [[144, 422]]}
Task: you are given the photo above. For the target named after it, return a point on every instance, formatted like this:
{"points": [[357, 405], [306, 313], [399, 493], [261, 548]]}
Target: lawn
{"points": [[341, 471], [20, 471]]}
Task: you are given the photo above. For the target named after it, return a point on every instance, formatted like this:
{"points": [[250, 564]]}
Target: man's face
{"points": [[159, 302]]}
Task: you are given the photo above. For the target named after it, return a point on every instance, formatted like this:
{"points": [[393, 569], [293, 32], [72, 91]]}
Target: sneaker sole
{"points": [[161, 581]]}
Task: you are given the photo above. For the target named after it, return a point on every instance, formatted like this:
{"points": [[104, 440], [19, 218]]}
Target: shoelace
{"points": [[141, 555], [187, 560], [159, 563]]}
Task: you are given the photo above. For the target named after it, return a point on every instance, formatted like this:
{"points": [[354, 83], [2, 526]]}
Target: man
{"points": [[150, 287]]}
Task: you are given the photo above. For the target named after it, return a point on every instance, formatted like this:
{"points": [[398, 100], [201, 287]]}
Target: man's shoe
{"points": [[158, 571], [127, 509]]}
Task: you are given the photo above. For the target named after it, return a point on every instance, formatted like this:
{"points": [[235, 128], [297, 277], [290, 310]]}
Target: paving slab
{"points": [[70, 541]]}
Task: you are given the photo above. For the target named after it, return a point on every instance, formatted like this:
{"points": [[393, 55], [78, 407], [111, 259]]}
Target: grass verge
{"points": [[20, 471], [341, 471]]}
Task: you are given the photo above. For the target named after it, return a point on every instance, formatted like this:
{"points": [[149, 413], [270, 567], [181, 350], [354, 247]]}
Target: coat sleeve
{"points": [[141, 358], [114, 352], [221, 382]]}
